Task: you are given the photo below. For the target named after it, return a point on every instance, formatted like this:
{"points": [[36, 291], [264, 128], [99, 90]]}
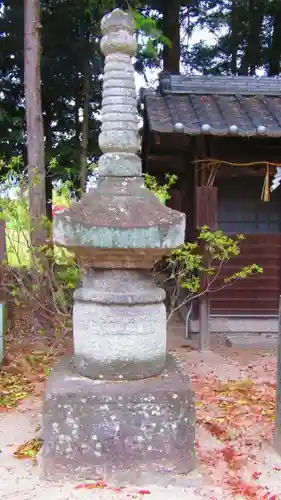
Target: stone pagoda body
{"points": [[119, 409]]}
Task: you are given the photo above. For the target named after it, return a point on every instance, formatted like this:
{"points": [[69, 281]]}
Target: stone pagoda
{"points": [[119, 410]]}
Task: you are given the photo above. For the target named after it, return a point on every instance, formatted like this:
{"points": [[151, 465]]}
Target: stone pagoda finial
{"points": [[119, 134]]}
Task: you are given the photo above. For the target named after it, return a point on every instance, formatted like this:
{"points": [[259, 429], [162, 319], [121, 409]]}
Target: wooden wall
{"points": [[258, 294], [240, 209]]}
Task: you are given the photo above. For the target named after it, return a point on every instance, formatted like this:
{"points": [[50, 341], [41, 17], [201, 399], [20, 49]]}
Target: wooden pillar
{"points": [[204, 323], [188, 201], [206, 213], [175, 201]]}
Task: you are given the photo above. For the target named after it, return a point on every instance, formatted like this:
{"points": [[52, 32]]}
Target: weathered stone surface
{"points": [[119, 326], [120, 213], [130, 432], [120, 164]]}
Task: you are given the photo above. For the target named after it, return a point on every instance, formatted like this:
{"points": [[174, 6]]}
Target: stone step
{"points": [[253, 341], [240, 325]]}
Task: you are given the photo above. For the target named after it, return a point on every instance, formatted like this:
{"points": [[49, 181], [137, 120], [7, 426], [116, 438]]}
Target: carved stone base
{"points": [[119, 326], [138, 432]]}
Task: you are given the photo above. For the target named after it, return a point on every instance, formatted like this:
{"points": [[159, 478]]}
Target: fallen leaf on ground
{"points": [[216, 430], [240, 414], [92, 486], [20, 373], [240, 487], [29, 449], [256, 475], [13, 388]]}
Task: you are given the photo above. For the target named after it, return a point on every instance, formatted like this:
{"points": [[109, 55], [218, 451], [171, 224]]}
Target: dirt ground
{"points": [[235, 402]]}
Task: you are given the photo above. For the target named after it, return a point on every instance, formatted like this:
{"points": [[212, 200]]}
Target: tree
{"points": [[251, 59], [65, 54], [247, 37], [171, 16], [12, 113], [171, 28], [275, 43], [34, 121], [72, 91]]}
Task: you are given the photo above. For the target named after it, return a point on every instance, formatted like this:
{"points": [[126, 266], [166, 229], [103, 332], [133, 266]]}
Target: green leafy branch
{"points": [[202, 261], [152, 36], [162, 191]]}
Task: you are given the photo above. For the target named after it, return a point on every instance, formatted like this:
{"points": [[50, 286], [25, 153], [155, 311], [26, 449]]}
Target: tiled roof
{"points": [[216, 105]]}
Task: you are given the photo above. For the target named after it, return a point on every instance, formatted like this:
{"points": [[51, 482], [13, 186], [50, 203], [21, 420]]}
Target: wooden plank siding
{"points": [[240, 209], [206, 207], [258, 294]]}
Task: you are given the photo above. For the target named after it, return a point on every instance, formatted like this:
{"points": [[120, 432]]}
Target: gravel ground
{"points": [[19, 479]]}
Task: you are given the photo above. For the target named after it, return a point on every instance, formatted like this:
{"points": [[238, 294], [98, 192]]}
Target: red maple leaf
{"points": [[256, 475], [91, 486]]}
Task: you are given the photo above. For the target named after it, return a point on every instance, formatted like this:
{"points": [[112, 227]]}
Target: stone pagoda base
{"points": [[134, 432]]}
